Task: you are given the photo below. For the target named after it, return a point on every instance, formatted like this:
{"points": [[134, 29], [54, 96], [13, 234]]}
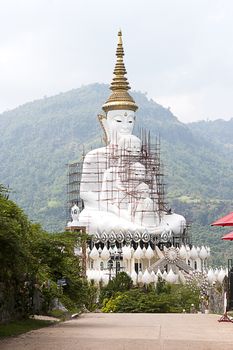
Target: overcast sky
{"points": [[178, 51]]}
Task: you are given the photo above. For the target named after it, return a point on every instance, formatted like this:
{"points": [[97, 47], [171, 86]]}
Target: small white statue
{"points": [[75, 216], [145, 209]]}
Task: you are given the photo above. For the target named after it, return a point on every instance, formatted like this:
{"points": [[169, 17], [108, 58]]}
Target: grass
{"points": [[62, 315], [22, 326]]}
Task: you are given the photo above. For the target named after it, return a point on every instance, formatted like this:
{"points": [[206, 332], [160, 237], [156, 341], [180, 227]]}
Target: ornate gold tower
{"points": [[120, 98]]}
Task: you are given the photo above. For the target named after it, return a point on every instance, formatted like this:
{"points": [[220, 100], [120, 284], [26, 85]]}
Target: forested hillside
{"points": [[38, 139], [218, 131]]}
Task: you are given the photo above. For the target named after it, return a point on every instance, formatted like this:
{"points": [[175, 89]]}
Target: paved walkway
{"points": [[129, 332]]}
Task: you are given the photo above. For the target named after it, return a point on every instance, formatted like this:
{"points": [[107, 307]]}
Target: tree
{"points": [[33, 261], [121, 283]]}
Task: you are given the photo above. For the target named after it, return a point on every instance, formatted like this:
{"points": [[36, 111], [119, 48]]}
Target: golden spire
{"points": [[119, 98]]}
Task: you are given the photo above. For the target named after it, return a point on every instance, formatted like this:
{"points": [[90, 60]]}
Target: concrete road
{"points": [[129, 332]]}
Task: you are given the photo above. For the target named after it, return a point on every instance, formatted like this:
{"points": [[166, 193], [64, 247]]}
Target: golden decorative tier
{"points": [[120, 98]]}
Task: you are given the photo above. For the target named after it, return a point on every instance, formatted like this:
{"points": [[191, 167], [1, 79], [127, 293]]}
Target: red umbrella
{"points": [[228, 237], [225, 221]]}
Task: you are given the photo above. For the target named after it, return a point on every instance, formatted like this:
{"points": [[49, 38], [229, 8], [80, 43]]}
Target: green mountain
{"points": [[38, 139], [218, 131]]}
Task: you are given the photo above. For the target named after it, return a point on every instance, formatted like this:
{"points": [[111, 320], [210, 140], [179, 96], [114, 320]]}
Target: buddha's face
{"points": [[143, 191], [131, 145], [120, 123]]}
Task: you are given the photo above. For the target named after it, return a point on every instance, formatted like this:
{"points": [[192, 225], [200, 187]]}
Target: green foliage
{"points": [[136, 301], [170, 298], [91, 297], [55, 253], [18, 327], [32, 261], [58, 313], [120, 296], [218, 131], [121, 283], [16, 259], [183, 298], [162, 286]]}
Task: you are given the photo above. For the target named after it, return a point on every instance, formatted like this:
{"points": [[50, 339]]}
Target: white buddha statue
{"points": [[113, 185], [102, 188], [75, 216], [145, 211], [118, 122]]}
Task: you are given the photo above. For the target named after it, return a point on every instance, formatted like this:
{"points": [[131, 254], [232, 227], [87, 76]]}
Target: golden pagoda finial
{"points": [[120, 98], [120, 36]]}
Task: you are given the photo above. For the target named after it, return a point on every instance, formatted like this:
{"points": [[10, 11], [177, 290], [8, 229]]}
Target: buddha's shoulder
{"points": [[96, 153]]}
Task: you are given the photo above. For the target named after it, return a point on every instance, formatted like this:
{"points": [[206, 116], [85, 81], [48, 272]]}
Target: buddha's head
{"points": [[138, 171], [143, 190], [119, 123], [130, 145], [120, 107]]}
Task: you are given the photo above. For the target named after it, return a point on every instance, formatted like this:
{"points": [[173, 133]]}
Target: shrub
{"points": [[121, 283], [166, 298]]}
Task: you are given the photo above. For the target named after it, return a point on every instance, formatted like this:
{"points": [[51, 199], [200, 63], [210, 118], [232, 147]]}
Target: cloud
{"points": [[178, 51]]}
